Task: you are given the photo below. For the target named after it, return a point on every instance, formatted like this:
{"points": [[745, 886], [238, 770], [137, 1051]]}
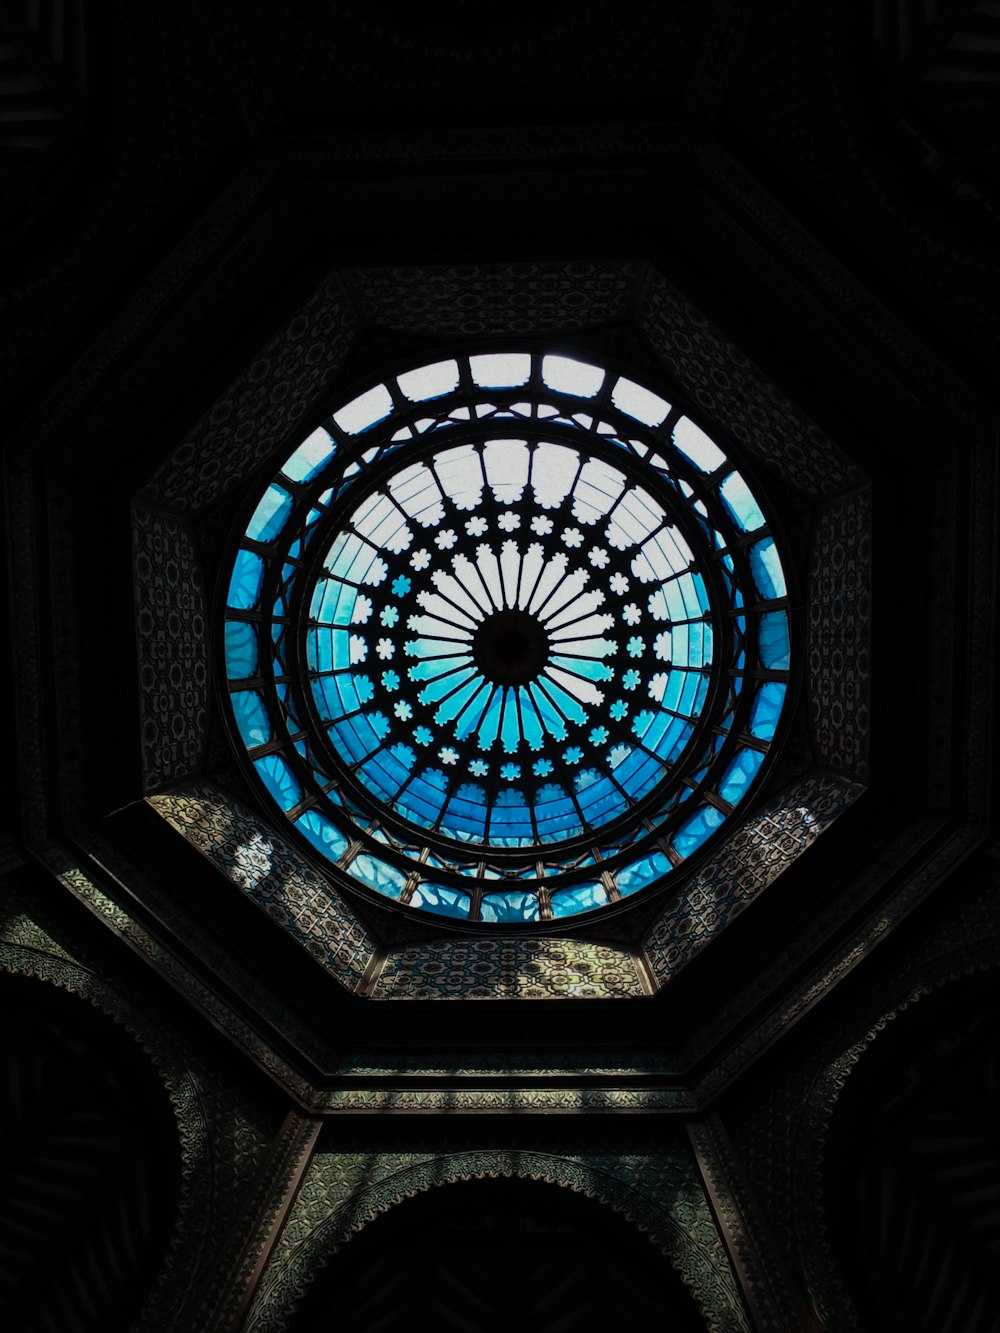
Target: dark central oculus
{"points": [[510, 647]]}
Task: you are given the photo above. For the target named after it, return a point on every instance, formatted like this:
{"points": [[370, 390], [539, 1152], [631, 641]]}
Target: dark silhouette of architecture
{"points": [[242, 1091]]}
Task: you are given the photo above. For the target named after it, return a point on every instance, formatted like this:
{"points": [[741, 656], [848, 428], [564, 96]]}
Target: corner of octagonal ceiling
{"points": [[183, 523]]}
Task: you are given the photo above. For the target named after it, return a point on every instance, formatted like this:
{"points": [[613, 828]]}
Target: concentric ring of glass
{"points": [[507, 637]]}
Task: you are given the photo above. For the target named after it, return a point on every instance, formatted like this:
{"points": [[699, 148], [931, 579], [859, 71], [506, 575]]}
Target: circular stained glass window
{"points": [[507, 637]]}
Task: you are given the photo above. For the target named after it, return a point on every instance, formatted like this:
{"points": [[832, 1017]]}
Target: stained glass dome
{"points": [[507, 637]]}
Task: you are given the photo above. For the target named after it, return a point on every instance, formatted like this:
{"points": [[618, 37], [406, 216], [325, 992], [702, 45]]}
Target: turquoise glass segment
{"points": [[271, 514], [642, 873], [378, 875], [582, 898], [613, 528], [513, 906], [241, 650], [766, 567], [693, 832], [741, 503], [767, 709], [247, 581], [443, 901], [772, 639], [323, 834], [251, 717], [279, 780], [310, 457], [739, 775]]}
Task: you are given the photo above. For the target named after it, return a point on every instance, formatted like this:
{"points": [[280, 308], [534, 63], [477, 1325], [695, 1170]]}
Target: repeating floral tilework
{"points": [[840, 633], [272, 396], [522, 969], [736, 395], [466, 300], [173, 655], [760, 849], [293, 895], [659, 1190]]}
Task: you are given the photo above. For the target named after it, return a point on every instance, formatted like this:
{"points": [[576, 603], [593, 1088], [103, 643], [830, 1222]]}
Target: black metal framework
{"points": [[437, 732]]}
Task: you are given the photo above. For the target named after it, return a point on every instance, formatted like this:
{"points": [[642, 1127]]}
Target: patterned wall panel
{"points": [[779, 1118], [659, 1190], [269, 399], [756, 854], [248, 852], [503, 299], [737, 395], [225, 1121], [173, 655], [496, 969], [840, 633]]}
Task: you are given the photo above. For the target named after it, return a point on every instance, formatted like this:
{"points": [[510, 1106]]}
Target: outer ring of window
{"points": [[681, 406]]}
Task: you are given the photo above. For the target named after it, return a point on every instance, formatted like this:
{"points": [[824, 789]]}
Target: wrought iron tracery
{"points": [[507, 636]]}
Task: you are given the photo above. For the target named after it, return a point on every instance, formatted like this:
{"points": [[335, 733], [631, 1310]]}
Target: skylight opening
{"points": [[520, 646]]}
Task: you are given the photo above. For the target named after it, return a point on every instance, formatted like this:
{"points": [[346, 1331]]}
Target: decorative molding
{"points": [[778, 1121], [272, 396], [839, 633], [171, 632], [756, 853], [273, 875], [658, 1191], [506, 300], [167, 965], [511, 1099], [811, 1230], [221, 1138], [763, 1276], [738, 397], [467, 968], [265, 1205]]}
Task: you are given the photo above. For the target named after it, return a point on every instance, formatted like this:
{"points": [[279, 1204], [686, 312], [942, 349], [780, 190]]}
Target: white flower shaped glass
{"points": [[507, 637]]}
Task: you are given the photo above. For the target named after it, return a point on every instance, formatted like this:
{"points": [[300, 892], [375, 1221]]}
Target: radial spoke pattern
{"points": [[498, 608], [513, 614]]}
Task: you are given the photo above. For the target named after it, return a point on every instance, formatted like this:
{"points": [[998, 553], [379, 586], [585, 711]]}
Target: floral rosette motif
{"points": [[507, 618]]}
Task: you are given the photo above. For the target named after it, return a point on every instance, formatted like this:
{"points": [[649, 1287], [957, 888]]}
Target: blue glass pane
{"points": [[640, 874], [279, 780], [323, 835], [241, 650], [271, 514], [739, 775], [436, 546], [378, 875], [251, 717], [436, 898], [766, 567], [311, 455], [582, 898], [772, 637], [741, 503], [767, 710], [510, 907], [700, 826], [245, 584]]}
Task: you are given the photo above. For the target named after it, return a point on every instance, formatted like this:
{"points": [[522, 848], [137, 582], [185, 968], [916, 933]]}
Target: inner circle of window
{"points": [[507, 637]]}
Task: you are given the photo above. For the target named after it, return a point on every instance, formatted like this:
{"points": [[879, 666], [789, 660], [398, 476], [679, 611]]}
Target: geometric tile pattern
{"points": [[839, 630], [273, 875], [173, 655], [524, 969], [754, 856], [273, 394], [737, 396], [504, 299]]}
